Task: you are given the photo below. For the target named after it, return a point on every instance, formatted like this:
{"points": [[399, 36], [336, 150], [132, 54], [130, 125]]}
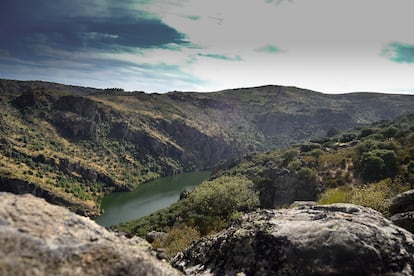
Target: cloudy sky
{"points": [[205, 45]]}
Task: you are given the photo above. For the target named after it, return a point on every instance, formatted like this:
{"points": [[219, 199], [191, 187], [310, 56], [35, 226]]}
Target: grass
{"points": [[377, 195]]}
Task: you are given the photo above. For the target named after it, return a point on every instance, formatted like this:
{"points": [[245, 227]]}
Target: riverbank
{"points": [[149, 197]]}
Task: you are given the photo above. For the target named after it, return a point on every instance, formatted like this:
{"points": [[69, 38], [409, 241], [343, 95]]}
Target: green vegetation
{"points": [[374, 165], [376, 195], [208, 208], [81, 143], [178, 238]]}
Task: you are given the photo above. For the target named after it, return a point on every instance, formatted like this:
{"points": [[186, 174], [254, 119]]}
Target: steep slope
{"points": [[366, 166], [72, 144]]}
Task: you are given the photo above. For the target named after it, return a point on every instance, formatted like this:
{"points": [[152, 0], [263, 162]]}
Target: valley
{"points": [[72, 145]]}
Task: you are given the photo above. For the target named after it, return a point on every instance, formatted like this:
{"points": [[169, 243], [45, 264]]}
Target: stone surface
{"points": [[339, 239], [404, 220], [402, 208], [285, 187], [403, 203], [37, 238], [154, 235]]}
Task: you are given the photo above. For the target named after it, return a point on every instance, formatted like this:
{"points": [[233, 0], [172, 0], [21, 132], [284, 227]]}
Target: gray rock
{"points": [[154, 235], [403, 203], [404, 220], [339, 239], [285, 187], [402, 208], [37, 238]]}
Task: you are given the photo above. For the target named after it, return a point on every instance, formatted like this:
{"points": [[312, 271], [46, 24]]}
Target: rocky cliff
{"points": [[82, 143], [37, 238], [340, 239]]}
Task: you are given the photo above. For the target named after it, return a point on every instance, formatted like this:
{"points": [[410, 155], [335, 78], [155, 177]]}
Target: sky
{"points": [[329, 46]]}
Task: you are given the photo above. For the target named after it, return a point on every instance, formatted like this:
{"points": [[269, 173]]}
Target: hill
{"points": [[366, 166], [71, 144]]}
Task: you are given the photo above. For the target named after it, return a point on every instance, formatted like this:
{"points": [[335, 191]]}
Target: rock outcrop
{"points": [[37, 238], [402, 209], [282, 187], [339, 239]]}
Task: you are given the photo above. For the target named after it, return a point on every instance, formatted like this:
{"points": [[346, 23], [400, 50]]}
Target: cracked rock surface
{"points": [[37, 238], [339, 239]]}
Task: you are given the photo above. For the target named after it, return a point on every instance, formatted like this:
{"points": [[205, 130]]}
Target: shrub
{"points": [[377, 164], [316, 153], [377, 195], [371, 166], [366, 132], [294, 165], [178, 238], [309, 146], [307, 175], [288, 156], [223, 196], [347, 137], [390, 132]]}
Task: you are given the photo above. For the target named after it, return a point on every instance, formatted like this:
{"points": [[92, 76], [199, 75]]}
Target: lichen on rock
{"points": [[339, 239], [37, 238]]}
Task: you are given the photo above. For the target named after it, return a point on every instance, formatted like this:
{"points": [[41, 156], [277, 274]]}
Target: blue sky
{"points": [[197, 45]]}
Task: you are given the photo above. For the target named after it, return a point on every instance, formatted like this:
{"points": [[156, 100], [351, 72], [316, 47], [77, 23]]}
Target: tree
{"points": [[378, 164], [288, 156], [372, 166]]}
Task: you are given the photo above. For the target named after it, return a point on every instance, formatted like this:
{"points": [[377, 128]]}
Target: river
{"points": [[148, 198]]}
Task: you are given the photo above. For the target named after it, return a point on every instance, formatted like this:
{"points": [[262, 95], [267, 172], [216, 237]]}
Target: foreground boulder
{"points": [[37, 238], [402, 209], [339, 239]]}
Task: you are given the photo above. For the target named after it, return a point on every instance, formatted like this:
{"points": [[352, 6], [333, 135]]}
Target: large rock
{"points": [[37, 238], [402, 203], [283, 187], [340, 239], [404, 220], [402, 209]]}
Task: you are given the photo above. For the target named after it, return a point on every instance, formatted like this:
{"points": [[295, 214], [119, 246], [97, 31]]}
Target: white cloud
{"points": [[328, 45], [325, 45]]}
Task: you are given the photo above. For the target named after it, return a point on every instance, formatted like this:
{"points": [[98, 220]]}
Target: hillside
{"points": [[71, 144], [366, 166]]}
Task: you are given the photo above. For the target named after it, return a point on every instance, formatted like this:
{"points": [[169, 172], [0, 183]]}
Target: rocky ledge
{"points": [[339, 239], [37, 238]]}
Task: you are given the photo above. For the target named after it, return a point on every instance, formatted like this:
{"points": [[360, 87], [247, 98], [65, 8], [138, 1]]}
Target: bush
{"points": [[366, 132], [390, 132], [377, 195], [347, 137], [372, 166], [288, 156], [367, 145], [294, 165], [307, 175], [178, 238], [316, 153], [378, 164], [223, 196], [309, 146]]}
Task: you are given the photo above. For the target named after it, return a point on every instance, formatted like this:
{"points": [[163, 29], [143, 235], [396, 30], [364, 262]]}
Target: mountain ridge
{"points": [[82, 143]]}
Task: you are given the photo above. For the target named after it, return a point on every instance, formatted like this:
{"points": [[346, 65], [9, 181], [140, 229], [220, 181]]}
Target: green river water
{"points": [[148, 198]]}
